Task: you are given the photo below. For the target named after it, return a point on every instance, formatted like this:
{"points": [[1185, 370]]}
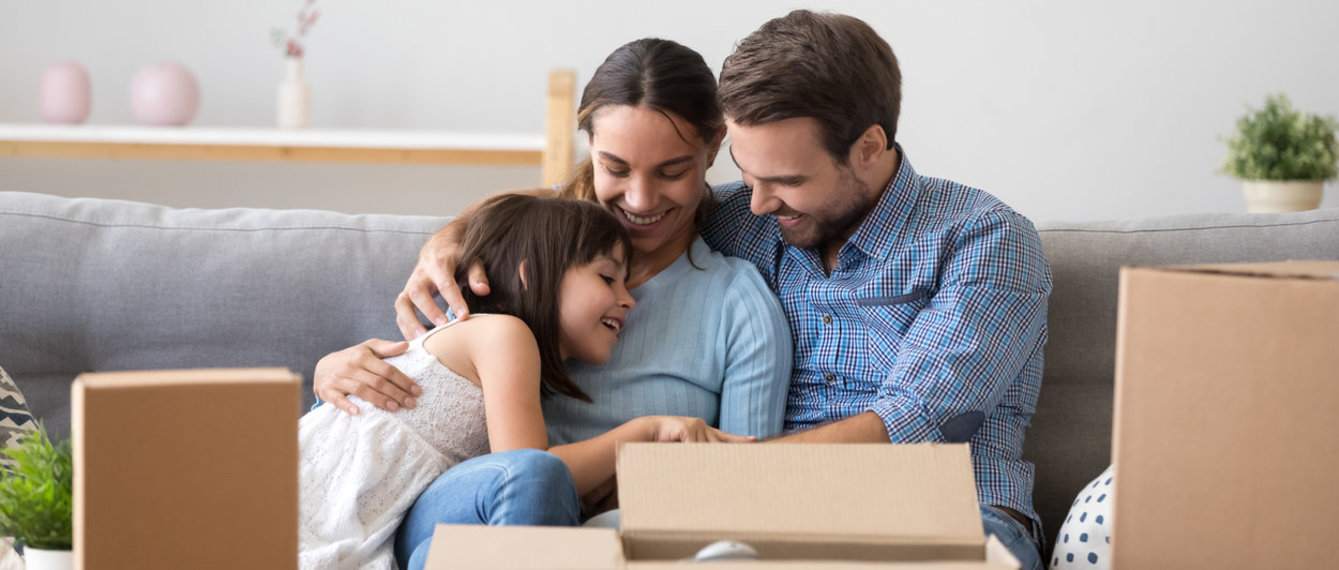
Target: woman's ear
{"points": [[520, 271], [714, 147]]}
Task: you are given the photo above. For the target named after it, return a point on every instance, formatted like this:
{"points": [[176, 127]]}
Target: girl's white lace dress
{"points": [[359, 475]]}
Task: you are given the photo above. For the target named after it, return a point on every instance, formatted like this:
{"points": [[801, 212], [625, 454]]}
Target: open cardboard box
{"points": [[799, 505], [1227, 409]]}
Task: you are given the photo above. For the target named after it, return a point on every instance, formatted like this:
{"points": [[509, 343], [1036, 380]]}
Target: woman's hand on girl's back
{"points": [[361, 370], [687, 429]]}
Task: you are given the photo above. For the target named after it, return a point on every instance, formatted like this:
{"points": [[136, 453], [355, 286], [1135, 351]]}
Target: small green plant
{"points": [[1279, 143], [35, 493]]}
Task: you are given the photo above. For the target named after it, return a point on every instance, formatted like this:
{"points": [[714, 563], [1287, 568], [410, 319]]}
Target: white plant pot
{"points": [[1272, 196], [39, 559]]}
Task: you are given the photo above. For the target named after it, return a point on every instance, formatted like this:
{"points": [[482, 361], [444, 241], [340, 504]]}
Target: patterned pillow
{"points": [[15, 420]]}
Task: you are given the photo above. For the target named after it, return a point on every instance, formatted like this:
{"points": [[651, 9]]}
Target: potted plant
{"points": [[1282, 156], [36, 503]]}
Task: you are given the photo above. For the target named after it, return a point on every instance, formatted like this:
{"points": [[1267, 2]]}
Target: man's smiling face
{"points": [[817, 202]]}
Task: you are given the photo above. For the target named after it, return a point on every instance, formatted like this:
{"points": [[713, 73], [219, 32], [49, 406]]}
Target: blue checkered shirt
{"points": [[934, 318]]}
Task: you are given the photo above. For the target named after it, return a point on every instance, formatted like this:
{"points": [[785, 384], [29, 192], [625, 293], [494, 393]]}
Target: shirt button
{"points": [[827, 319], [830, 378]]}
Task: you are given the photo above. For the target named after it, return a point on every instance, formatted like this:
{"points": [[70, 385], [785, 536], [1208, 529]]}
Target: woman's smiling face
{"points": [[650, 171]]}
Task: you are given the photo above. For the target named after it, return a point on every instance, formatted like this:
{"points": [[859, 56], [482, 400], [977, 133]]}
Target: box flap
{"points": [[801, 501], [524, 548], [1319, 270], [186, 465]]}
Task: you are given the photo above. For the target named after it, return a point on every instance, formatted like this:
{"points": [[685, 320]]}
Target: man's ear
{"points": [[520, 271], [714, 147], [869, 148]]}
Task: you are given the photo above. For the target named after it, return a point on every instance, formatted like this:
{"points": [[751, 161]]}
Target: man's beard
{"points": [[852, 201]]}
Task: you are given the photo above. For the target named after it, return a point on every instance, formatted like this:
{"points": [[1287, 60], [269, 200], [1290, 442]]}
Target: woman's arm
{"points": [[435, 274], [758, 352]]}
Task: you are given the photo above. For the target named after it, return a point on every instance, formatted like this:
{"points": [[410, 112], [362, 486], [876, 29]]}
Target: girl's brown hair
{"points": [[547, 236]]}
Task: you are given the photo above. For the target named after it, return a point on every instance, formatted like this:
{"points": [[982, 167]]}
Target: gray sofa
{"points": [[89, 284]]}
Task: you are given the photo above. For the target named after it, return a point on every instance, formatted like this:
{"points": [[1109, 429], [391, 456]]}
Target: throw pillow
{"points": [[15, 420]]}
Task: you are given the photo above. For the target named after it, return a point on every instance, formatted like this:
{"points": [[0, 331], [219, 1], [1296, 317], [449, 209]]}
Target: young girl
{"points": [[559, 269]]}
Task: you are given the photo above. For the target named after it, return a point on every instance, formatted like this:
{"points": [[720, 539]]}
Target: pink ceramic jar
{"points": [[164, 94], [65, 93]]}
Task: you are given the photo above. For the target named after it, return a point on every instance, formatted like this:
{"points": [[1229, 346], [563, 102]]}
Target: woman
{"points": [[708, 339]]}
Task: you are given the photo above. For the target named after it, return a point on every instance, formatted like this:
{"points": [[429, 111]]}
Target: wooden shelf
{"points": [[243, 144], [552, 151]]}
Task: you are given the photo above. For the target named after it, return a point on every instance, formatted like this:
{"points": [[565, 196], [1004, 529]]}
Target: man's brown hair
{"points": [[830, 67]]}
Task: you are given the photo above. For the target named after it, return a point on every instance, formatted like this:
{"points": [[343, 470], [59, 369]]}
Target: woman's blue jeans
{"points": [[520, 487]]}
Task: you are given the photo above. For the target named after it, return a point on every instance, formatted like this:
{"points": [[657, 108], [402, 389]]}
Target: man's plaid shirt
{"points": [[934, 318]]}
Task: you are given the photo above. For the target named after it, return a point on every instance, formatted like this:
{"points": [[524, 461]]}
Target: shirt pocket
{"points": [[888, 319]]}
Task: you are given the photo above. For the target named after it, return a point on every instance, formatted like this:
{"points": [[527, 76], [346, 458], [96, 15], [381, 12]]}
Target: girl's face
{"points": [[593, 305], [650, 171]]}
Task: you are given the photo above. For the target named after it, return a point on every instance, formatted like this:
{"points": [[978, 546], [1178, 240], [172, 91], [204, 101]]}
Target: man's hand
{"points": [[435, 273], [361, 371]]}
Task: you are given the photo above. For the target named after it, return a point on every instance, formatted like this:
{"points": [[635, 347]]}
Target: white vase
{"points": [[39, 559], [294, 97], [1271, 196]]}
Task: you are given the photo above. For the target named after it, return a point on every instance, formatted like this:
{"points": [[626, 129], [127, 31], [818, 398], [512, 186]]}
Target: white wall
{"points": [[1069, 110]]}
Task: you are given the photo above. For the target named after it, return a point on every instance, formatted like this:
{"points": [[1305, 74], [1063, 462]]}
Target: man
{"points": [[918, 305]]}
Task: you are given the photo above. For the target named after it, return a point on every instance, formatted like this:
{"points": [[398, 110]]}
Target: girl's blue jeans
{"points": [[520, 487]]}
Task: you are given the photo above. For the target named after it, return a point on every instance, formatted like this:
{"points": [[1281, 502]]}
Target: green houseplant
{"points": [[36, 494], [1282, 156]]}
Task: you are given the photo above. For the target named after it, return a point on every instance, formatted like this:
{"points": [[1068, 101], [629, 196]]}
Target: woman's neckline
{"points": [[680, 264]]}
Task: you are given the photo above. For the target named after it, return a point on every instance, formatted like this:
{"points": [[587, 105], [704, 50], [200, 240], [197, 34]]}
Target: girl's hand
{"points": [[686, 429], [361, 371]]}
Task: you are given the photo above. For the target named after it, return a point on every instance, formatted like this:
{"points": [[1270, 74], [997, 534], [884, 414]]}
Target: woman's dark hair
{"points": [[550, 235], [657, 74]]}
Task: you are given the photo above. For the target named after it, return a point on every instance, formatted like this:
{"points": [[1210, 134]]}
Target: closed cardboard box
{"points": [[1226, 435], [186, 469]]}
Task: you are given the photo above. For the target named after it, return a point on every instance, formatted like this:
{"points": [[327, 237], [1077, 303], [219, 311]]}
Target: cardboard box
{"points": [[186, 469], [800, 506], [1226, 434]]}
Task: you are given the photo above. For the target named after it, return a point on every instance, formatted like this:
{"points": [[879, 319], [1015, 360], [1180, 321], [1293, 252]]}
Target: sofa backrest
{"points": [[103, 285], [1070, 438]]}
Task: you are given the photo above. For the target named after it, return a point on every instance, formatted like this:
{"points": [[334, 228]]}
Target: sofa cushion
{"points": [[101, 285]]}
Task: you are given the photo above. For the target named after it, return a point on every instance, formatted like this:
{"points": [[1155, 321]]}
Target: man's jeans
{"points": [[1014, 537], [521, 487], [531, 487]]}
